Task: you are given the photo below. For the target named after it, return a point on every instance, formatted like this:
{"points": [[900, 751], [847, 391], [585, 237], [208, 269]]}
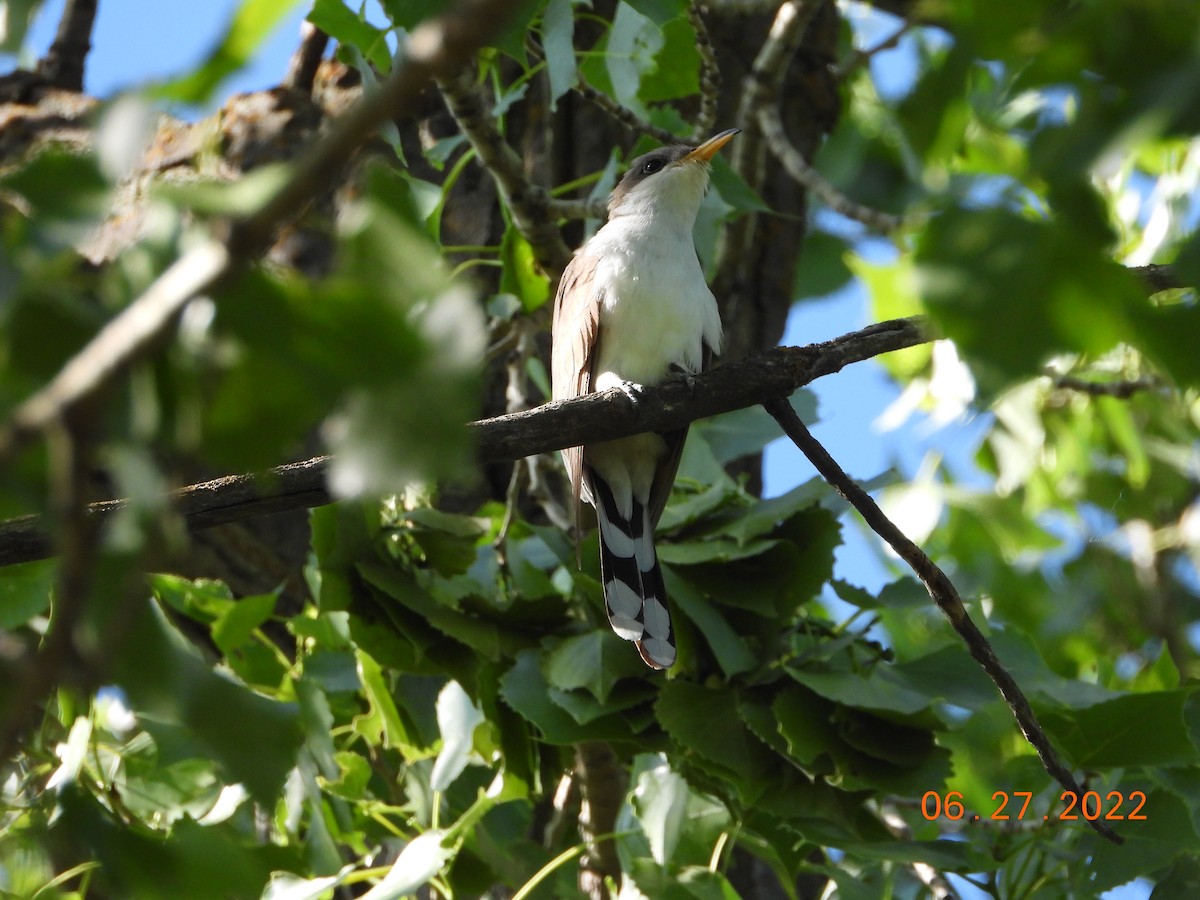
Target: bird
{"points": [[633, 309]]}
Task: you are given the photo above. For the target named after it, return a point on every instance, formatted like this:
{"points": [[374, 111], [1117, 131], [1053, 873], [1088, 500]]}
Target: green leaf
{"points": [[16, 16], [236, 625], [25, 592], [732, 653], [734, 435], [558, 40], [526, 691], [521, 275], [660, 802], [458, 718], [1012, 292], [253, 738], [595, 661], [139, 863], [249, 27], [408, 14], [660, 12], [420, 860], [1112, 734], [63, 219], [805, 722], [382, 724], [705, 721], [822, 268]]}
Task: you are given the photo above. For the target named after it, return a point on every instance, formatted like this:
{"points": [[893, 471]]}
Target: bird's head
{"points": [[668, 182]]}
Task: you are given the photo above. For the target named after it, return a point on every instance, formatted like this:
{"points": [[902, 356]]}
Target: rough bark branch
{"points": [[710, 75], [62, 65], [623, 114], [528, 202], [437, 47], [941, 591], [596, 417], [302, 68]]}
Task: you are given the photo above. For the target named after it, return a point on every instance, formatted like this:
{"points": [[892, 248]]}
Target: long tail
{"points": [[633, 582]]}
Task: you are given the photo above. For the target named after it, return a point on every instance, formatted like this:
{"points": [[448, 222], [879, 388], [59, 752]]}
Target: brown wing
{"points": [[668, 463], [574, 335]]}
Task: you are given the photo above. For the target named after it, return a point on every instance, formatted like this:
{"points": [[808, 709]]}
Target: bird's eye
{"points": [[652, 166]]}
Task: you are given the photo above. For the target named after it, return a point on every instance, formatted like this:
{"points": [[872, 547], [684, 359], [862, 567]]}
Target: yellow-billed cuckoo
{"points": [[632, 308]]}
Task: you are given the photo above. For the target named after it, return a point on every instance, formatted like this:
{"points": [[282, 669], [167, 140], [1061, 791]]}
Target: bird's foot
{"points": [[632, 390], [688, 378]]}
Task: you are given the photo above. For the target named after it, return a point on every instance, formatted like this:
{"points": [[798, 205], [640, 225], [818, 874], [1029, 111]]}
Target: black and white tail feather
{"points": [[634, 594]]}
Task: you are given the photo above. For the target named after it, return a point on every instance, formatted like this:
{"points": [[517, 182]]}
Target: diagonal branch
{"points": [[943, 593], [437, 47], [777, 373], [62, 65], [802, 171], [528, 202]]}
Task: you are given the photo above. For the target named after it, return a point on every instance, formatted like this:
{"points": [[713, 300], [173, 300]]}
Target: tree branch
{"points": [[943, 593], [623, 114], [1122, 390], [528, 202], [710, 75], [777, 373], [302, 67], [801, 170], [437, 47], [62, 65]]}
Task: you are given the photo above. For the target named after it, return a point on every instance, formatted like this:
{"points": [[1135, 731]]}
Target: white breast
{"points": [[656, 311]]}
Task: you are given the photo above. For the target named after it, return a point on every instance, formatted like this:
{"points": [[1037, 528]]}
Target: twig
{"points": [[62, 65], [76, 545], [584, 420], [437, 46], [749, 159], [528, 202], [943, 593], [1122, 390], [798, 167], [623, 114], [860, 58], [577, 209], [710, 75], [761, 115], [302, 68], [762, 84]]}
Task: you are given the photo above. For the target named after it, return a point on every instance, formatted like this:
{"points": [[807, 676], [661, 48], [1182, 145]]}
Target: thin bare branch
{"points": [[798, 167], [62, 65], [762, 84], [710, 75], [860, 58], [624, 115], [942, 592], [438, 46], [528, 202], [577, 209], [1122, 390], [42, 668], [302, 68], [584, 420]]}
